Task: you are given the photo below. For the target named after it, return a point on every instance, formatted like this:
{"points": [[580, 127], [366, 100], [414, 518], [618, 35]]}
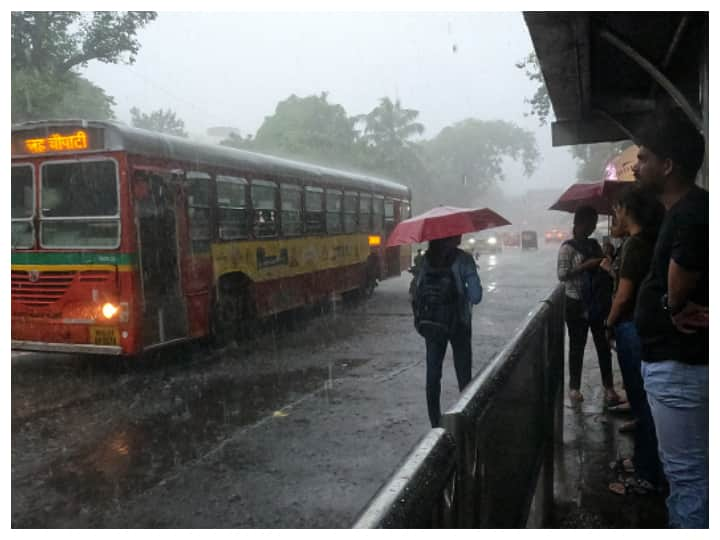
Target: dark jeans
{"points": [[578, 329], [435, 353], [629, 353]]}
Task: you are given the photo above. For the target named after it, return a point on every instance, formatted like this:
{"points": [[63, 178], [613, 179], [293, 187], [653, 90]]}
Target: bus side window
{"points": [[291, 207], [350, 209], [377, 216], [364, 216], [232, 208], [389, 215], [333, 211], [404, 210], [314, 214], [265, 210], [198, 202]]}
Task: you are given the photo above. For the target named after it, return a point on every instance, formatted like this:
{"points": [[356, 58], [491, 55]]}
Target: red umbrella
{"points": [[442, 222], [599, 195]]}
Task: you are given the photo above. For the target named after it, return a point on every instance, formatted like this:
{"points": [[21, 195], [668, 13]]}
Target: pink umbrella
{"points": [[442, 222]]}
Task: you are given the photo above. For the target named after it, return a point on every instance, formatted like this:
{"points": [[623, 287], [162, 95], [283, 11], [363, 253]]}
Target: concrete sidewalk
{"points": [[582, 470]]}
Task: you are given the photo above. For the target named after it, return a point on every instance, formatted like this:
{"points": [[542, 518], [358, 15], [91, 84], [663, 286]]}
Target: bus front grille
{"points": [[42, 288]]}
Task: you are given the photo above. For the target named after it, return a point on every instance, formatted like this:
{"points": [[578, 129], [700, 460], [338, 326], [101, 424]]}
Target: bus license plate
{"points": [[102, 335]]}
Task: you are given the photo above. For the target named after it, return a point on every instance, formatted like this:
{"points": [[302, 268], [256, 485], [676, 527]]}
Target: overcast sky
{"points": [[231, 69]]}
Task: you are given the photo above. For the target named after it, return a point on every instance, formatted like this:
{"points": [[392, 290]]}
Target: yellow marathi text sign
{"points": [[58, 143]]}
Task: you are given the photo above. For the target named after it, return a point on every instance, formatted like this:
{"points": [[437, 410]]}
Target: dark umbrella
{"points": [[600, 195], [442, 222]]}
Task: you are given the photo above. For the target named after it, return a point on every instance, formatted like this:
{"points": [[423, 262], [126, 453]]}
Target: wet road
{"points": [[297, 428]]}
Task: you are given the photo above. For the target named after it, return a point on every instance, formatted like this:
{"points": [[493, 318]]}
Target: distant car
{"points": [[487, 244], [511, 239], [528, 240], [555, 235]]}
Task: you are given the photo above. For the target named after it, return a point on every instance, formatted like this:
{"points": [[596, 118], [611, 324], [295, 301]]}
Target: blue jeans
{"points": [[435, 354], [678, 397], [629, 353]]}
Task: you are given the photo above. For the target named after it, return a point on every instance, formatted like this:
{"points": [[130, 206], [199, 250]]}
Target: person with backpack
{"points": [[588, 296], [447, 285]]}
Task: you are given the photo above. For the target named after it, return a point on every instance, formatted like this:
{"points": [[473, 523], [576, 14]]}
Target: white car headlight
{"points": [[492, 240]]}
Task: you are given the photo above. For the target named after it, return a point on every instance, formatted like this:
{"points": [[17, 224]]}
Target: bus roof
{"points": [[118, 136]]}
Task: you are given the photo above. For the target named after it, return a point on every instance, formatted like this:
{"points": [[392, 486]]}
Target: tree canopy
{"points": [[540, 105], [466, 159], [592, 158], [455, 167], [160, 120], [310, 128], [60, 41], [48, 49]]}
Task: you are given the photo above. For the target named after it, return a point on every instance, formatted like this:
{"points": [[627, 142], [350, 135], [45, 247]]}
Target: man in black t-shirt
{"points": [[671, 314]]}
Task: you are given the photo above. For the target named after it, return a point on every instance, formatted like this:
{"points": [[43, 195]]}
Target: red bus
{"points": [[124, 240]]}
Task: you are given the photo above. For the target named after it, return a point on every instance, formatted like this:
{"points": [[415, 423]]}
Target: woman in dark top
{"points": [[640, 215]]}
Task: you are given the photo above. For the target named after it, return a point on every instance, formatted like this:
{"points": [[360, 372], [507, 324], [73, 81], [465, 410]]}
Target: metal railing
{"points": [[491, 463]]}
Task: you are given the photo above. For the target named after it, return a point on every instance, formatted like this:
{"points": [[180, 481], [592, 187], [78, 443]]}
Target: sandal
{"points": [[633, 486], [622, 407], [627, 427], [611, 402], [622, 466]]}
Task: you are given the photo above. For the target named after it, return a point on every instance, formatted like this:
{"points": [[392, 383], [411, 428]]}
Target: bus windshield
{"points": [[79, 204], [22, 201]]}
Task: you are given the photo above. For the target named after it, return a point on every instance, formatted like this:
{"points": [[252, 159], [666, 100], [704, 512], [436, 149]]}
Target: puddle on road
{"points": [[137, 455], [492, 262]]}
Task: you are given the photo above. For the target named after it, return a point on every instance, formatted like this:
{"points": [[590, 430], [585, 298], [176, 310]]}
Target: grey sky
{"points": [[232, 68]]}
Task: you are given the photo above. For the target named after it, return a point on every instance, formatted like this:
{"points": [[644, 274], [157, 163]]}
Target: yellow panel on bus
{"points": [[263, 260]]}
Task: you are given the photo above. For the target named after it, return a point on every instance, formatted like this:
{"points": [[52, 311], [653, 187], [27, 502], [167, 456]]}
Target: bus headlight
{"points": [[109, 310]]}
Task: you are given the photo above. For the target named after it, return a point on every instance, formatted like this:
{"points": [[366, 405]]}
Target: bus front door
{"points": [[164, 313]]}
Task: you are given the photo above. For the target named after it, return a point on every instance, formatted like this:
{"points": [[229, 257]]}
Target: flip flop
{"points": [[633, 486], [622, 465], [627, 427], [622, 407]]}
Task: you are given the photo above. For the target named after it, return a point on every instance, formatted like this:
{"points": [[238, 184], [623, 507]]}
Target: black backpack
{"points": [[597, 284], [435, 303]]}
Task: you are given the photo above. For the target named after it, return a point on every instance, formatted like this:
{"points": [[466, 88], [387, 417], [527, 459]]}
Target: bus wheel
{"points": [[225, 320]]}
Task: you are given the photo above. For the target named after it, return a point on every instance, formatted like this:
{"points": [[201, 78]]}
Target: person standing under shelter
{"points": [[447, 285], [578, 260], [638, 214], [671, 313]]}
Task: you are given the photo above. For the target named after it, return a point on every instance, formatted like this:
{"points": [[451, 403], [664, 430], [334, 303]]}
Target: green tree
{"points": [[387, 134], [235, 140], [466, 159], [592, 157], [48, 49], [41, 96], [160, 120], [540, 105], [59, 41], [309, 128]]}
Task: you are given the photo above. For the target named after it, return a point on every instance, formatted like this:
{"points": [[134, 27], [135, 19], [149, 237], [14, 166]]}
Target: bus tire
{"points": [[223, 320]]}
